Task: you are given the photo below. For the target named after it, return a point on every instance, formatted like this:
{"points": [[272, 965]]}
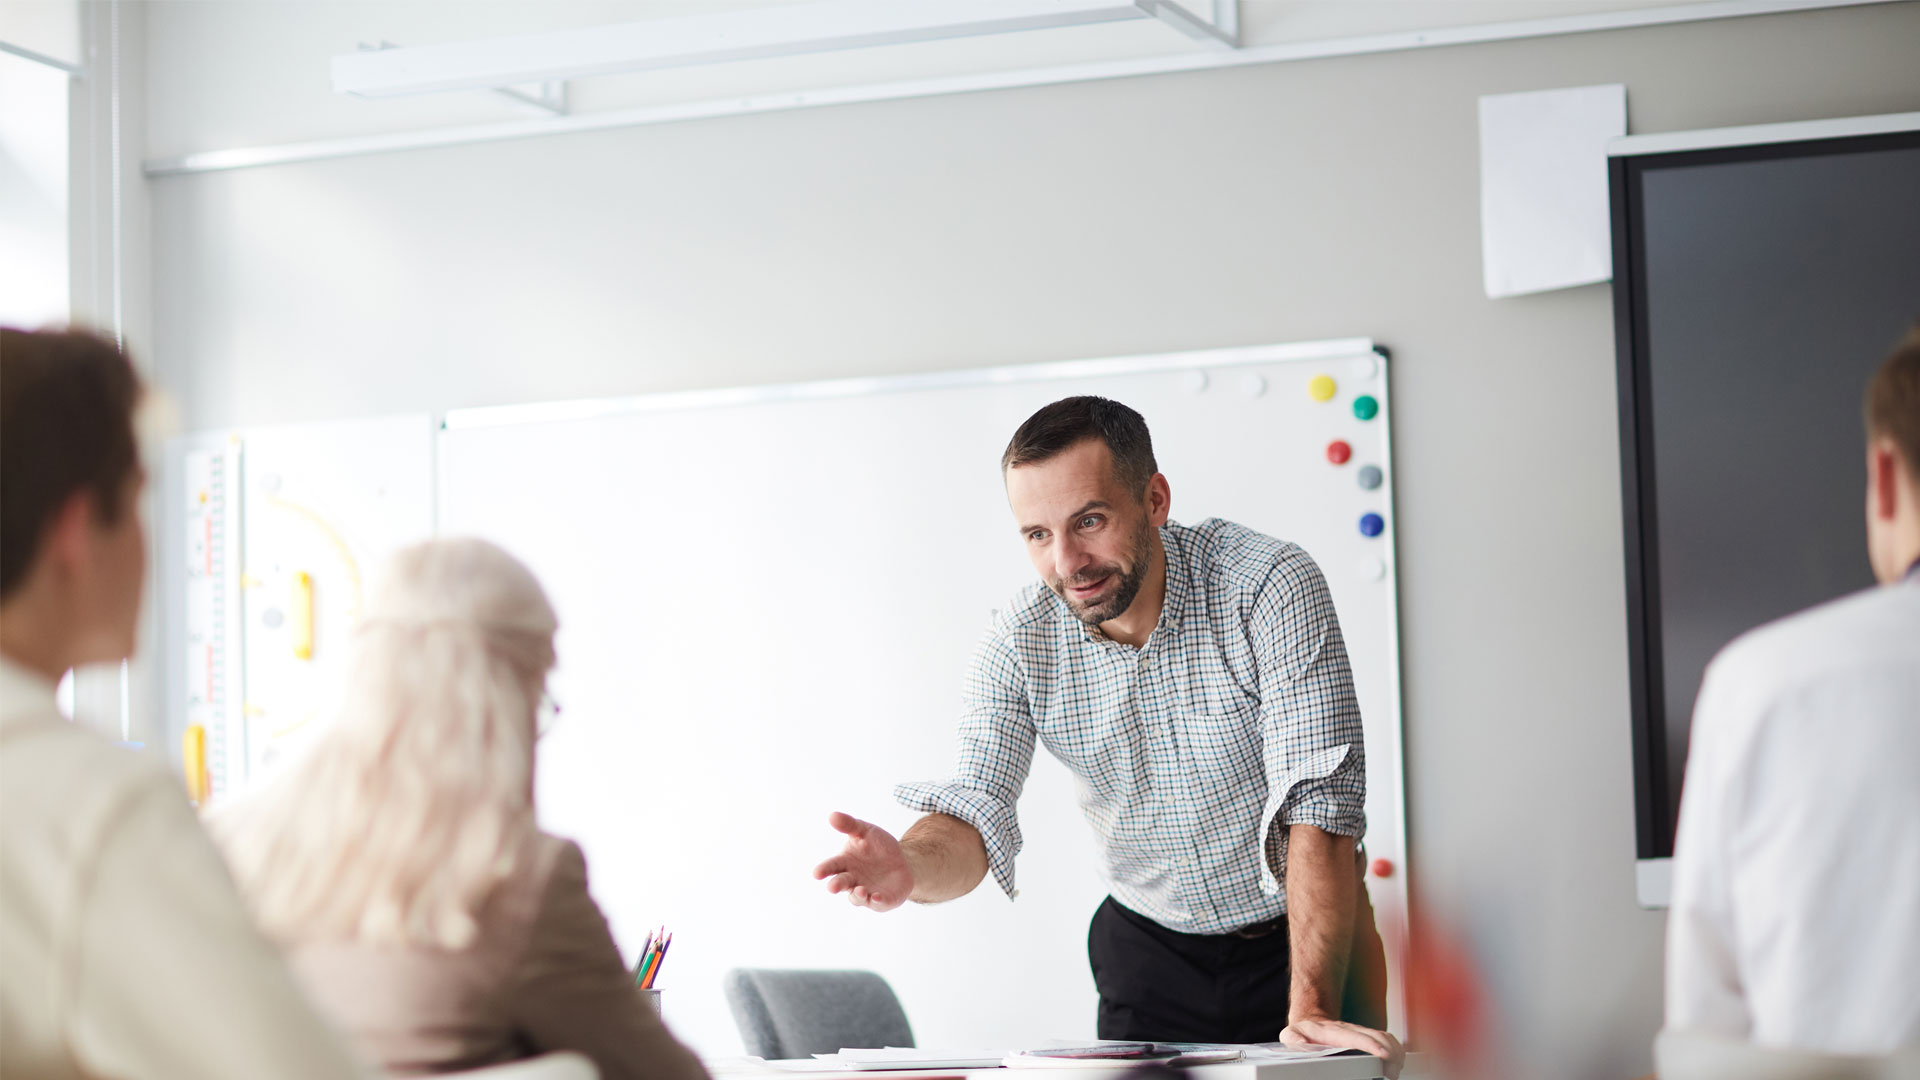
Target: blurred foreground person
{"points": [[1796, 872], [124, 950]]}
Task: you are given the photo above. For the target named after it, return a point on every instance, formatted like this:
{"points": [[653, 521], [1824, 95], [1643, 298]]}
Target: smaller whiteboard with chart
{"points": [[278, 531]]}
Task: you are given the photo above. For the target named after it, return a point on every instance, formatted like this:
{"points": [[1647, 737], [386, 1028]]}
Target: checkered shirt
{"points": [[1192, 753]]}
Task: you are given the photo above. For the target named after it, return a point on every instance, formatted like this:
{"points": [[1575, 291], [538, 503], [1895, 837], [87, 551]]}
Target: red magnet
{"points": [[1339, 452], [1382, 868]]}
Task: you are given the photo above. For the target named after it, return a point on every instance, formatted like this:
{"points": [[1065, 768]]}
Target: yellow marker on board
{"points": [[303, 615], [1321, 388], [193, 760]]}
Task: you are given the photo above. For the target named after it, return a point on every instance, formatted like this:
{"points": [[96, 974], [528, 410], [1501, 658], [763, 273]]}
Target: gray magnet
{"points": [[1370, 477]]}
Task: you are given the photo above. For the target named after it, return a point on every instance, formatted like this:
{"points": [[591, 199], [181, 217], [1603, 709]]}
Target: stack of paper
{"points": [[897, 1057], [1086, 1056]]}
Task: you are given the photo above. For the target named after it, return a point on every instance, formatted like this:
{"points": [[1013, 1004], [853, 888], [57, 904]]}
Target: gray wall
{"points": [[1276, 203]]}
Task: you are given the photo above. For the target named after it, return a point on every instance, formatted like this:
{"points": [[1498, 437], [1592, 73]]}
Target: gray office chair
{"points": [[792, 1014]]}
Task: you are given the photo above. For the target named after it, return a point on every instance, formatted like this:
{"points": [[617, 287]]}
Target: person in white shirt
{"points": [[1795, 919], [124, 950]]}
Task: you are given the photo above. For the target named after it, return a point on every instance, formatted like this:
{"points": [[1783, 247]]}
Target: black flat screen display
{"points": [[1756, 290]]}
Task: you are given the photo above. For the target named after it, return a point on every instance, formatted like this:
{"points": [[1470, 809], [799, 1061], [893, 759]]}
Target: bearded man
{"points": [[1195, 681]]}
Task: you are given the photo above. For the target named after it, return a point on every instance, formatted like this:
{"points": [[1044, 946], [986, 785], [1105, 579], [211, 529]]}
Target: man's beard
{"points": [[1130, 577]]}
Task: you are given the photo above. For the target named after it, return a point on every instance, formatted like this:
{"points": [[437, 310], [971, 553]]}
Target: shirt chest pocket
{"points": [[1220, 750], [1106, 749]]}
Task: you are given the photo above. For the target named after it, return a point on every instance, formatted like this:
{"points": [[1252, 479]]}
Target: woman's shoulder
{"points": [[566, 929], [546, 855], [542, 863]]}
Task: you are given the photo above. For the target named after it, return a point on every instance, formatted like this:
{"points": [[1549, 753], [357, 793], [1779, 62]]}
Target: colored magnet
{"points": [[1372, 525], [1321, 388], [1365, 407], [302, 615], [1339, 452], [1370, 477], [1382, 868], [193, 759]]}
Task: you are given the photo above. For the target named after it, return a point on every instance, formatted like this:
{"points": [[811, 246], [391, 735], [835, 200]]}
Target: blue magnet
{"points": [[1370, 477], [1372, 525]]}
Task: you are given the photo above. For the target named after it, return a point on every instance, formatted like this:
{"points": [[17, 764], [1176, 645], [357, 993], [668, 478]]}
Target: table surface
{"points": [[1342, 1067]]}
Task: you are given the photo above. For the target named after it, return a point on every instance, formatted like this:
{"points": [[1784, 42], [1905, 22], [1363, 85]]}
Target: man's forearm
{"points": [[1321, 884], [947, 856]]}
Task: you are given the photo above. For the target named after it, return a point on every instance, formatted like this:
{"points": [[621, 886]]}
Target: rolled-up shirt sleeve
{"points": [[1312, 744], [996, 735]]}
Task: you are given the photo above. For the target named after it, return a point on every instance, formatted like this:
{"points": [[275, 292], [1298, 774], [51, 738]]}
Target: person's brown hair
{"points": [[1073, 420], [66, 425], [1893, 400]]}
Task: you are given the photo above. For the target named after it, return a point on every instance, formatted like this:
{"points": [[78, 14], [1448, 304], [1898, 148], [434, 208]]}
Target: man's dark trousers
{"points": [[1161, 985]]}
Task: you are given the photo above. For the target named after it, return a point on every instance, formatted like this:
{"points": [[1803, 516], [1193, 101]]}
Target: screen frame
{"points": [[1629, 160]]}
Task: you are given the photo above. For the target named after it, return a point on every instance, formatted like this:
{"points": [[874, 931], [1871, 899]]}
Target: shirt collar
{"points": [[24, 693], [1173, 607]]}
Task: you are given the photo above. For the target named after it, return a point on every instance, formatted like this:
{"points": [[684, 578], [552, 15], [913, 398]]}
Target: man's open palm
{"points": [[871, 869]]}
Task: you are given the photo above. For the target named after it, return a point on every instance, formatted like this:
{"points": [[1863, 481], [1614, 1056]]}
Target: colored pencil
{"points": [[657, 961], [646, 977], [640, 964], [659, 942]]}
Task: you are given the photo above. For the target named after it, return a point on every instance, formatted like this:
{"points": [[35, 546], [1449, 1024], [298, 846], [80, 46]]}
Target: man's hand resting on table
{"points": [[1305, 1034], [871, 869]]}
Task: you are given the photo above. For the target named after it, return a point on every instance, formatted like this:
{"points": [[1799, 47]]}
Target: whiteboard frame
{"points": [[673, 401], [1331, 349]]}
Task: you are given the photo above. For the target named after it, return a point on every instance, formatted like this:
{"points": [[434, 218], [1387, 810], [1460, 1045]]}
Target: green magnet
{"points": [[1365, 407]]}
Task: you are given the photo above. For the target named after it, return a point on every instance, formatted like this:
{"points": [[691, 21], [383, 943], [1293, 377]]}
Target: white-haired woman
{"points": [[398, 862]]}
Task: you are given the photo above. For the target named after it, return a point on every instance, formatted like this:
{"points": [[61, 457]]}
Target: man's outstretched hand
{"points": [[1305, 1034], [871, 869]]}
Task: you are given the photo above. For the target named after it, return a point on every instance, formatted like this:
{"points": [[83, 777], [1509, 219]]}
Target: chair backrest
{"points": [[559, 1065], [791, 1014], [1688, 1055]]}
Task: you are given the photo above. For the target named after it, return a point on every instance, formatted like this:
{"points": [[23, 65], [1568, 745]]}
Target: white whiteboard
{"points": [[767, 601]]}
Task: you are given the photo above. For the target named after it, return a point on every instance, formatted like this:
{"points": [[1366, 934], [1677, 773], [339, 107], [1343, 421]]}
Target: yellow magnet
{"points": [[302, 615], [1321, 387], [193, 760]]}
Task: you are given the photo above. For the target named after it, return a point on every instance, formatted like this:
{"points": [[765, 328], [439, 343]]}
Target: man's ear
{"points": [[69, 535], [1883, 480], [1159, 500]]}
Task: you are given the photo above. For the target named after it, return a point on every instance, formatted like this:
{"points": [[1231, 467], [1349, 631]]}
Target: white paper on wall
{"points": [[1543, 187]]}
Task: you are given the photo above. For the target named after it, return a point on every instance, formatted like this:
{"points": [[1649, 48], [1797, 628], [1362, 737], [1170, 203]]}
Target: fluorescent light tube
{"points": [[823, 26]]}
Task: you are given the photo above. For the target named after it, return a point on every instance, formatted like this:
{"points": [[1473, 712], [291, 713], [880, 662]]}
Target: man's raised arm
{"points": [[939, 858]]}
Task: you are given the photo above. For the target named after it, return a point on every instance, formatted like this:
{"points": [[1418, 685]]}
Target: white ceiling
{"points": [[240, 73], [1263, 22]]}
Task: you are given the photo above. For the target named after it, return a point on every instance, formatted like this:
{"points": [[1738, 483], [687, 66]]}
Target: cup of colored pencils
{"points": [[647, 968]]}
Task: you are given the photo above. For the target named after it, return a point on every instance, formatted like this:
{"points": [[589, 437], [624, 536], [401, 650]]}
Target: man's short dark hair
{"points": [[1893, 400], [1073, 420], [66, 425]]}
